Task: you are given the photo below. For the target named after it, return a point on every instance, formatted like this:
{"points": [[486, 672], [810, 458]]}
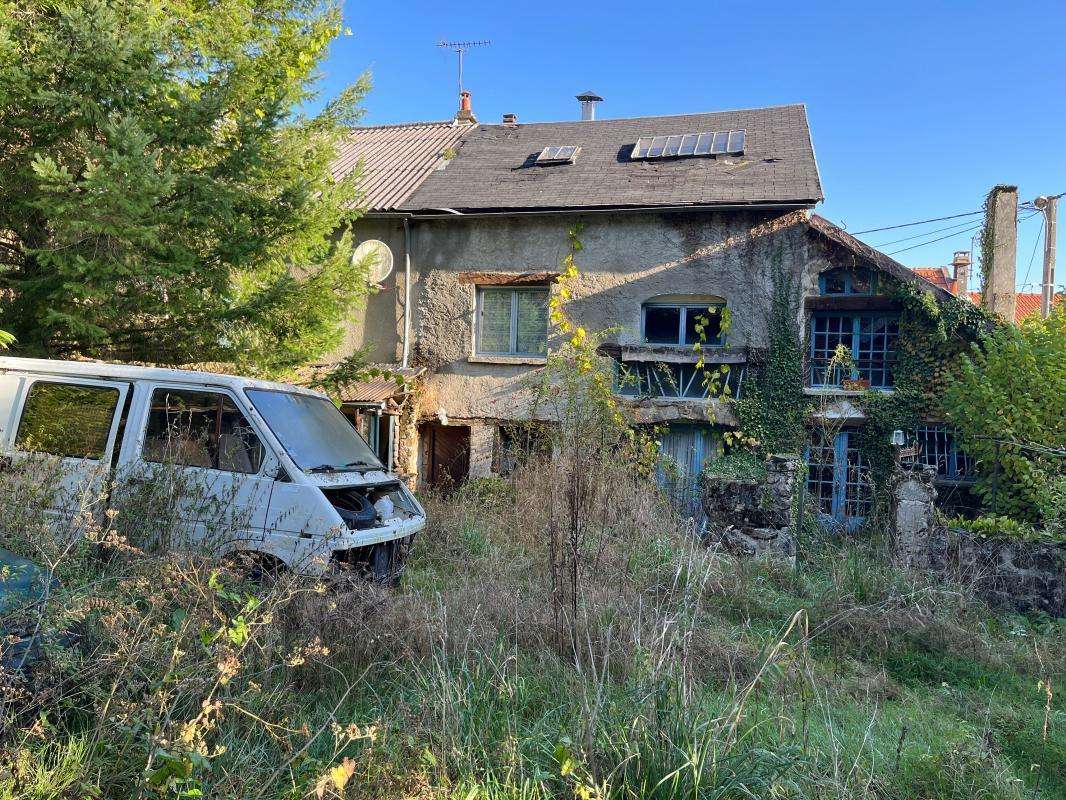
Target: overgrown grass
{"points": [[682, 672]]}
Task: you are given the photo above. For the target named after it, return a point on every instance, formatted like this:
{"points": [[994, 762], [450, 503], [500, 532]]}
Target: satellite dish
{"points": [[379, 257]]}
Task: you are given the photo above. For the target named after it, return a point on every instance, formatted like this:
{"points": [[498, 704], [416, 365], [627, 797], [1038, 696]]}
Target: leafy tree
{"points": [[160, 200], [1010, 389]]}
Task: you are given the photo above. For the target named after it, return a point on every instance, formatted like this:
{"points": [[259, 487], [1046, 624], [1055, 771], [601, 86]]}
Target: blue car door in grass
{"points": [[838, 480]]}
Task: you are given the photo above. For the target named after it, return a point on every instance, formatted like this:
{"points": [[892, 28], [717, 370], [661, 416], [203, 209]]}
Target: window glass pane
{"points": [[834, 282], [712, 325], [532, 332], [314, 432], [662, 324], [64, 419], [495, 321], [200, 429], [239, 448], [861, 282]]}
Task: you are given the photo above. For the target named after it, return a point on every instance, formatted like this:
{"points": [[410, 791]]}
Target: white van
{"points": [[308, 491]]}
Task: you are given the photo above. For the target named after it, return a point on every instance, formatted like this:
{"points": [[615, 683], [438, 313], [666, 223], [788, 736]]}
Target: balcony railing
{"points": [[678, 381]]}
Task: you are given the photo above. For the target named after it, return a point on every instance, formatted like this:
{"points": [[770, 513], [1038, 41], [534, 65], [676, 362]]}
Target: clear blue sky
{"points": [[916, 108]]}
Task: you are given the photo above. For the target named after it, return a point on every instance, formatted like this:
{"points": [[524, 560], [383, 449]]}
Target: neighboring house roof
{"points": [[941, 276], [495, 169], [875, 258], [1026, 303], [395, 159]]}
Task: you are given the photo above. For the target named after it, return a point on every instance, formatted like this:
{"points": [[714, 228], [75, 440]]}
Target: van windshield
{"points": [[313, 431]]}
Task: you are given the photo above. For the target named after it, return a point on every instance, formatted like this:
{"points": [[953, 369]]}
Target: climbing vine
{"points": [[773, 408]]}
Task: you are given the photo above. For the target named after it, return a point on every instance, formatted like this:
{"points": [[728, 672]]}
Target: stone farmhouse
{"points": [[679, 213]]}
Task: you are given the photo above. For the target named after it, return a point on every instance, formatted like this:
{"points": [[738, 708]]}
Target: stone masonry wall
{"points": [[1022, 575], [751, 517]]}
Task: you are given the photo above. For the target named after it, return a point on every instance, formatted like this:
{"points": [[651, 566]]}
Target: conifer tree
{"points": [[161, 197]]}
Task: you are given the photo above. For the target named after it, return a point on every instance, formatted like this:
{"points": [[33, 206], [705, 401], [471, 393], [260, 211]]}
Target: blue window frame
{"points": [[675, 323], [870, 338], [679, 381], [838, 479], [848, 281], [937, 447]]}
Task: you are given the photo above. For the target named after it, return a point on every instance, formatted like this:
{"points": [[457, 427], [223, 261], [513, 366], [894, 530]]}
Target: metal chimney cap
{"points": [[589, 97]]}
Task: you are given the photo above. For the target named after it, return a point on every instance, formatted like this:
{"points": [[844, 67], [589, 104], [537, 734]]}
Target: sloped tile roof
{"points": [[1026, 303], [495, 167], [875, 258], [395, 159], [941, 276]]}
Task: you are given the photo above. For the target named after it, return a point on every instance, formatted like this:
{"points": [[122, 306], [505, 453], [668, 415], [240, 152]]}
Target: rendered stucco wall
{"points": [[379, 323], [628, 259]]}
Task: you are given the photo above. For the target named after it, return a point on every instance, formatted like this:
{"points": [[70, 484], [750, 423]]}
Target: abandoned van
{"points": [[278, 466]]}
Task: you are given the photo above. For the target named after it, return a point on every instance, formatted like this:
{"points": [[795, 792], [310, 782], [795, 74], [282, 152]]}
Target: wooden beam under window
{"points": [[508, 278], [872, 302]]}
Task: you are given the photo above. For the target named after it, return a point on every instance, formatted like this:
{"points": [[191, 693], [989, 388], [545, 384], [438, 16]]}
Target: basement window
{"points": [[512, 321]]}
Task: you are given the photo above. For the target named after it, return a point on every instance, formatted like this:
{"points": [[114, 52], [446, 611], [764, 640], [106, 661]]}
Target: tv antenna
{"points": [[460, 48]]}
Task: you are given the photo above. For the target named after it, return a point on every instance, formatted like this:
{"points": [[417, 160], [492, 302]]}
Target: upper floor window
{"points": [[680, 323], [870, 340], [512, 321], [847, 281]]}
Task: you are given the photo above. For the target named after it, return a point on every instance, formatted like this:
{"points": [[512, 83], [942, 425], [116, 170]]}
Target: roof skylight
{"points": [[712, 143], [558, 155]]}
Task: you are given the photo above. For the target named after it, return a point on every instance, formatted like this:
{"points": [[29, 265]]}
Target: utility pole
{"points": [[1049, 205]]}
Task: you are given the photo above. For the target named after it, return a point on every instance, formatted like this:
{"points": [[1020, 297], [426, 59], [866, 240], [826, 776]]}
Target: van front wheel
{"points": [[387, 562]]}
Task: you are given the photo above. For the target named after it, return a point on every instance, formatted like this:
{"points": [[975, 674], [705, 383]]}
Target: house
{"points": [[680, 214]]}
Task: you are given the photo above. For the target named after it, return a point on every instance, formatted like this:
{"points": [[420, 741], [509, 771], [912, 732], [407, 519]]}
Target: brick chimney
{"points": [[466, 111], [999, 294], [510, 119], [961, 264]]}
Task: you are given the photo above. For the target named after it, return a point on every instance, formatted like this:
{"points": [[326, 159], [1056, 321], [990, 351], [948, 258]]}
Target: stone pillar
{"points": [[912, 519], [482, 439], [999, 291]]}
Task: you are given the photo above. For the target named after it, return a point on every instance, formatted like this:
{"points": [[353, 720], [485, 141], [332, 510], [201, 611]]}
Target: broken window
{"points": [[200, 429], [512, 321], [677, 323]]}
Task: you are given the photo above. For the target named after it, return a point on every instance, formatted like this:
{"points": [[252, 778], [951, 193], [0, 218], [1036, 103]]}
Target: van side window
{"points": [[200, 429], [67, 419]]}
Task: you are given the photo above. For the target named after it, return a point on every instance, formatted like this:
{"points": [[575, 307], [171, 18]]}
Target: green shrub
{"points": [[1010, 390]]}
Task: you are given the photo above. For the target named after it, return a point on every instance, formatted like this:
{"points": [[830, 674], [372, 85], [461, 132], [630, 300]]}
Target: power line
{"points": [[919, 222], [1036, 244], [931, 241], [926, 233]]}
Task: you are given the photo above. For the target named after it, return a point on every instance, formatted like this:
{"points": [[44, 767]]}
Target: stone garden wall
{"points": [[750, 517], [1023, 575]]}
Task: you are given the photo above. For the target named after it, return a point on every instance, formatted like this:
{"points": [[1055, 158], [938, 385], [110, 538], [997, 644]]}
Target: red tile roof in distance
{"points": [[938, 275], [1026, 303], [395, 159]]}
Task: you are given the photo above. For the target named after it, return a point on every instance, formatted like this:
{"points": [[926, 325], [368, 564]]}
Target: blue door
{"points": [[684, 449], [838, 480]]}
